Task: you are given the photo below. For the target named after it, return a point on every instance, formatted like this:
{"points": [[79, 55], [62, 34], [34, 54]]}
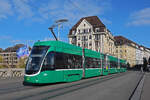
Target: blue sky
{"points": [[25, 20]]}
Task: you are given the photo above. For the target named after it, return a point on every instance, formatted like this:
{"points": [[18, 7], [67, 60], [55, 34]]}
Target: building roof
{"points": [[93, 20], [120, 40]]}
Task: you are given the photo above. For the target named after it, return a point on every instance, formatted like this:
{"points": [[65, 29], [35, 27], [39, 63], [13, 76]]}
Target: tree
{"points": [[1, 50], [1, 62], [14, 48], [1, 59], [22, 62]]}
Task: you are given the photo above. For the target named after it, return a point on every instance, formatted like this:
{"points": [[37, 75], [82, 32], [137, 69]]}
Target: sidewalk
{"points": [[146, 88]]}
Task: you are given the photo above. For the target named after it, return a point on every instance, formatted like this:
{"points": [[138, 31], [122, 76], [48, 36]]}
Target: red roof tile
{"points": [[93, 20]]}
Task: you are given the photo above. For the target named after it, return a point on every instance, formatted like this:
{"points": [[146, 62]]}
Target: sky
{"points": [[27, 21]]}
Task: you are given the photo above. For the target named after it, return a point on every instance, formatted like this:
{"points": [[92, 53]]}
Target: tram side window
{"points": [[48, 62], [74, 61], [112, 64], [77, 61], [115, 64], [92, 62], [70, 63], [60, 61], [88, 62], [123, 65], [67, 61]]}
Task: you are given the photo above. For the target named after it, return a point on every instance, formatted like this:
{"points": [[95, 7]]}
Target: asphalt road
{"points": [[146, 88], [120, 87]]}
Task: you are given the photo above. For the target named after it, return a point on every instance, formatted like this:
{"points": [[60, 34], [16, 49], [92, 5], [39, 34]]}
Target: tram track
{"points": [[71, 88], [16, 89], [10, 86], [136, 94]]}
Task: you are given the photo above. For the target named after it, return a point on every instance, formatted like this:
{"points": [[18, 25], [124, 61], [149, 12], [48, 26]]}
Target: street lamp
{"points": [[101, 43], [59, 23]]}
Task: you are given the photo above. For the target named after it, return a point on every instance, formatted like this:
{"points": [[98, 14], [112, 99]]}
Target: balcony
{"points": [[97, 39]]}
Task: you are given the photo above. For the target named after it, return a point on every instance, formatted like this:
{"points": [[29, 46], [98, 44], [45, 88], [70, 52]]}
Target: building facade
{"points": [[126, 49], [146, 53], [91, 33], [139, 55], [9, 59]]}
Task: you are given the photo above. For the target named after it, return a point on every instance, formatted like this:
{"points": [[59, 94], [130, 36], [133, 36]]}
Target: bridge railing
{"points": [[11, 72]]}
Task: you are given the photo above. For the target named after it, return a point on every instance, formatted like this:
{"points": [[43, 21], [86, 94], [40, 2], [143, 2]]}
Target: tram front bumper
{"points": [[31, 79]]}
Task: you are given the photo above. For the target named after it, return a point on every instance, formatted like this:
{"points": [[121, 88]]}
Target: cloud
{"points": [[106, 21], [141, 17], [5, 9], [51, 10], [5, 37], [23, 9], [72, 9]]}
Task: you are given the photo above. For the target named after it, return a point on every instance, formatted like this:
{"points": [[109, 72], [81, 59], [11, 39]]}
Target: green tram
{"points": [[56, 61]]}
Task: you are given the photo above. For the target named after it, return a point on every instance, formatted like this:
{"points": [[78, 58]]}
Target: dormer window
{"points": [[97, 29], [73, 32]]}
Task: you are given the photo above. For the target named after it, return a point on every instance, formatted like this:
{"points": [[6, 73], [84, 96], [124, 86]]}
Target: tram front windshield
{"points": [[35, 59]]}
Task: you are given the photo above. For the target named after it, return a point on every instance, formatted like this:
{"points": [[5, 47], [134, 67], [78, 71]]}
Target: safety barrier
{"points": [[11, 72]]}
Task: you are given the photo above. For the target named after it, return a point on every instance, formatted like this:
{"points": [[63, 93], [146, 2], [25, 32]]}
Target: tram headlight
{"points": [[28, 78], [36, 79]]}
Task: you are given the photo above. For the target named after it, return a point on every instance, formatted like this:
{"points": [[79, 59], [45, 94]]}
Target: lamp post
{"points": [[118, 59], [59, 23], [101, 52]]}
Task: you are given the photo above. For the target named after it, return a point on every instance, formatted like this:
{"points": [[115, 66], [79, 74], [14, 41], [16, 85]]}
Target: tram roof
{"points": [[69, 47], [112, 58], [56, 44]]}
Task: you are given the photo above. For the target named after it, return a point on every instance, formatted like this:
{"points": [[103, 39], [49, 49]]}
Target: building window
{"points": [[79, 44], [84, 25], [83, 38], [97, 36], [83, 30], [90, 44], [90, 37], [79, 31], [121, 51], [121, 56], [96, 43], [79, 38], [89, 30], [116, 51], [86, 30]]}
